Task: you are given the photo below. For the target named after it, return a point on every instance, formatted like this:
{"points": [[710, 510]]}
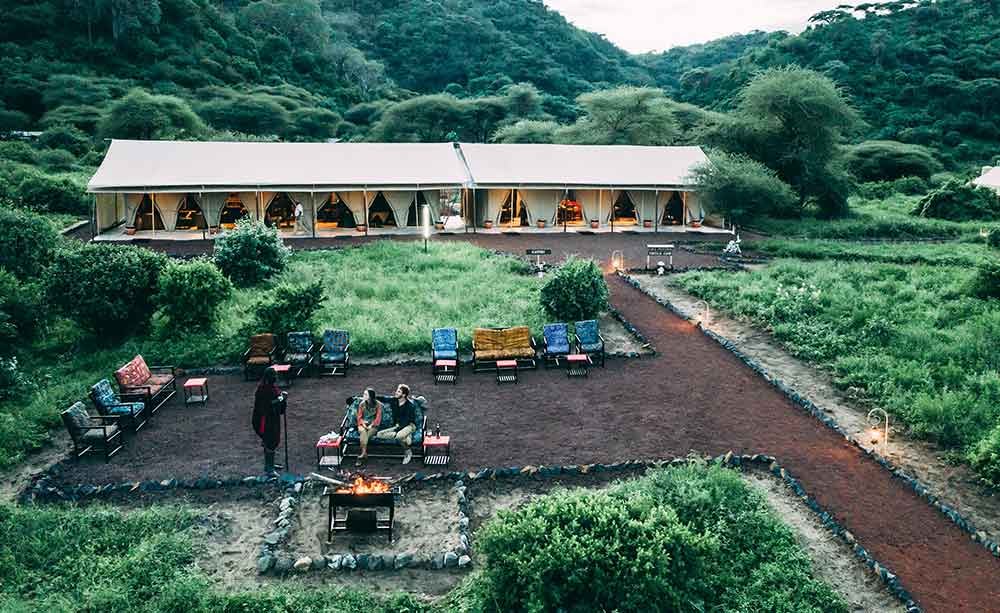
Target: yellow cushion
{"points": [[508, 342]]}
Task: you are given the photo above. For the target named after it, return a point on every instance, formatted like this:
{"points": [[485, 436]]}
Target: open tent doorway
{"points": [[569, 211], [147, 216], [380, 213], [513, 212], [232, 211], [413, 213], [623, 212], [673, 213], [281, 212], [334, 214], [190, 215]]}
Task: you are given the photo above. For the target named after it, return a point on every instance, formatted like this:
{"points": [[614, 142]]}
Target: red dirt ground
{"points": [[692, 396]]}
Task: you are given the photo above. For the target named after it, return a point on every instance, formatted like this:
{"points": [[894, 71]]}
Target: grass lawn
{"points": [[388, 294], [937, 254], [911, 338]]}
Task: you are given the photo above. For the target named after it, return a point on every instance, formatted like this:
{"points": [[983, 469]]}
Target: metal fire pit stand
{"points": [[346, 501]]}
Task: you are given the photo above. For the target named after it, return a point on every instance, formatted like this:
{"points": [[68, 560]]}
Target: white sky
{"points": [[655, 25]]}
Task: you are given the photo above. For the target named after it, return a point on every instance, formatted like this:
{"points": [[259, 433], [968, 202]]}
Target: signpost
{"points": [[660, 251], [538, 253]]}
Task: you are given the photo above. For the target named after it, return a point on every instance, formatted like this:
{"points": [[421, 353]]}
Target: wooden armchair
{"points": [[92, 432], [259, 356]]}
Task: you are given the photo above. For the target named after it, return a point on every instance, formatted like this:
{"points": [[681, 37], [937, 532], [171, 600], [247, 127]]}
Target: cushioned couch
{"points": [[382, 448], [492, 344], [154, 385]]}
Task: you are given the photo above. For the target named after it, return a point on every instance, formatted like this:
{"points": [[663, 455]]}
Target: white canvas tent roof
{"points": [[581, 165], [184, 166], [990, 179]]}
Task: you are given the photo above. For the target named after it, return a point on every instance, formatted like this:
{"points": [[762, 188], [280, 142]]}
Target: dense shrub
{"points": [[20, 310], [741, 188], [141, 115], [288, 308], [986, 282], [191, 292], [66, 137], [251, 252], [108, 289], [576, 290], [41, 192], [993, 239], [959, 201], [12, 381], [56, 159], [985, 457], [27, 241], [881, 160], [18, 151]]}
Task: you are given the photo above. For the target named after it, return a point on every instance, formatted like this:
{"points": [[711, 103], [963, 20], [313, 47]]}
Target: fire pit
{"points": [[368, 505]]}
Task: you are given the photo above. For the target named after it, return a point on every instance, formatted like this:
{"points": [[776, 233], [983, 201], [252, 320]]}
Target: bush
{"points": [[742, 188], [27, 242], [41, 192], [986, 282], [56, 159], [289, 308], [12, 380], [18, 151], [66, 137], [985, 457], [993, 239], [20, 310], [575, 291], [191, 292], [882, 160], [959, 201], [251, 252], [108, 289]]}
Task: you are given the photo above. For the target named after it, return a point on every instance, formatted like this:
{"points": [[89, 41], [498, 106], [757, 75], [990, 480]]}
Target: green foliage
{"points": [[959, 201], [20, 313], [26, 242], [985, 457], [56, 159], [66, 137], [934, 254], [108, 289], [742, 188], [527, 131], [145, 116], [882, 160], [287, 308], [986, 283], [684, 538], [993, 239], [191, 293], [623, 116], [251, 252], [575, 291], [38, 191]]}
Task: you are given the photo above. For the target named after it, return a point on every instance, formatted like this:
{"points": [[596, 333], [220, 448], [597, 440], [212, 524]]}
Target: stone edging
{"points": [[634, 332], [804, 403]]}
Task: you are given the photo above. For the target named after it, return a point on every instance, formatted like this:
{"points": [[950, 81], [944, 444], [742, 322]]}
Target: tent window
{"points": [[673, 213], [232, 211], [147, 216], [380, 213], [334, 214], [513, 211], [190, 216], [624, 209], [569, 211], [413, 213], [281, 212]]}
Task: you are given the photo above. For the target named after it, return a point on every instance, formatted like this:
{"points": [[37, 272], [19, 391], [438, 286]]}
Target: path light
{"points": [[618, 260], [426, 214], [879, 418], [705, 318]]}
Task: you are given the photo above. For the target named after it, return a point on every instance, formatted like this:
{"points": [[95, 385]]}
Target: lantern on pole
{"points": [[426, 215], [878, 418]]}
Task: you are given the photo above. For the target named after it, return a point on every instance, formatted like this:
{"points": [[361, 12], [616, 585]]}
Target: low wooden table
{"points": [[284, 374], [323, 447], [196, 391], [446, 370], [506, 371], [437, 450], [578, 365]]}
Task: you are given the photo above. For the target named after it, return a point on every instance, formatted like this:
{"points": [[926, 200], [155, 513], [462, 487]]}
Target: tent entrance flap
{"points": [[147, 216], [413, 213], [280, 212], [334, 214], [380, 213], [514, 211], [232, 211], [190, 216], [569, 211], [623, 211], [673, 213]]}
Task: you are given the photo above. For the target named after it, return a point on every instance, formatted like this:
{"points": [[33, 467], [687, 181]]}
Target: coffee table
{"points": [[196, 391], [506, 371], [323, 447]]}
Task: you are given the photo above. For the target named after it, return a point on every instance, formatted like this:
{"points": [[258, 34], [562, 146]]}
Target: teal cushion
{"points": [[126, 408], [299, 342], [338, 357]]}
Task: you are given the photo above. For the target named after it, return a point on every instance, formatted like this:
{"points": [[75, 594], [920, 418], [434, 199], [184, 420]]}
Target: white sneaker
{"points": [[407, 456]]}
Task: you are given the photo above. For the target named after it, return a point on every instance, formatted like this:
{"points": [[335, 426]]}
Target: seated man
{"points": [[403, 425]]}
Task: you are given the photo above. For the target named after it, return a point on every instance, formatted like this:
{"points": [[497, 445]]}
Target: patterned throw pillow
{"points": [[78, 416], [299, 342], [134, 373], [104, 396]]}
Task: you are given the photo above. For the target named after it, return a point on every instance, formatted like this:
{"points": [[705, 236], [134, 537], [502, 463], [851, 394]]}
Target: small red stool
{"points": [[325, 445], [578, 365], [506, 371], [284, 374], [437, 450], [196, 391], [446, 370]]}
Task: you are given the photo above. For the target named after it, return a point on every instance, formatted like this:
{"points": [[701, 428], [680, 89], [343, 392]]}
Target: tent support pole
{"points": [[475, 211], [312, 201], [611, 193], [656, 212], [366, 209], [565, 197]]}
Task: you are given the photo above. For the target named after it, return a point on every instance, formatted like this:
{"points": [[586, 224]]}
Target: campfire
{"points": [[359, 485]]}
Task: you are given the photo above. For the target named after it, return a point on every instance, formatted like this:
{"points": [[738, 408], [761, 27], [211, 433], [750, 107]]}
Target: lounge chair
{"points": [[379, 447], [155, 385], [335, 355], [444, 355], [556, 339], [259, 355], [492, 344], [127, 407], [300, 352], [589, 339], [92, 431]]}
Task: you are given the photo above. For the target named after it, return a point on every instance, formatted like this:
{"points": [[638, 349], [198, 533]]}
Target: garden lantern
{"points": [[878, 418], [705, 317], [618, 260]]}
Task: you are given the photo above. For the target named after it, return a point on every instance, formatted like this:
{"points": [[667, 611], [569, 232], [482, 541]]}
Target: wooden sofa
{"points": [[153, 385], [492, 344]]}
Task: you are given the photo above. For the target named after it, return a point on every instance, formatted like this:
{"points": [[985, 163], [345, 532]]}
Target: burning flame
{"points": [[360, 485]]}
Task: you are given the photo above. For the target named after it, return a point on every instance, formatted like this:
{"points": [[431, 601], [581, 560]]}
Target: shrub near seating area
{"points": [[251, 252], [191, 292], [576, 290]]}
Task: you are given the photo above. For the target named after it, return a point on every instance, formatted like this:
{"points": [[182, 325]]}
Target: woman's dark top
{"points": [[267, 410]]}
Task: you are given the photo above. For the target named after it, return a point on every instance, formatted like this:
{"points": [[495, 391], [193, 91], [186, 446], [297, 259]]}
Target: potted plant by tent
{"points": [[595, 224], [130, 230], [541, 223], [361, 227], [647, 223], [488, 224]]}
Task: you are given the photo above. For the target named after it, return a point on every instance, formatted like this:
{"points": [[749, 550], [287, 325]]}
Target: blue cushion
{"points": [[588, 332], [445, 354], [126, 408], [444, 340], [104, 396], [335, 341], [338, 357], [591, 347], [297, 358], [300, 342], [556, 338], [352, 419]]}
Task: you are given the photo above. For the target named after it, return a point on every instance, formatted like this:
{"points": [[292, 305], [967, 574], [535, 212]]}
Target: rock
{"points": [[450, 559], [463, 523], [374, 562], [283, 565], [437, 562], [303, 564], [272, 538], [402, 560], [298, 487], [529, 470], [464, 561], [265, 563], [349, 562], [318, 563], [333, 562]]}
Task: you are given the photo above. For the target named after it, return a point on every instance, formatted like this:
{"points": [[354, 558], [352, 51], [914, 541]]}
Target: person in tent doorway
{"points": [[403, 426], [299, 228], [269, 404], [369, 419]]}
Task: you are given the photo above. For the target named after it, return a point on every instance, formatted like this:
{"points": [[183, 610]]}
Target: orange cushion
{"points": [[508, 342], [261, 344], [134, 373]]}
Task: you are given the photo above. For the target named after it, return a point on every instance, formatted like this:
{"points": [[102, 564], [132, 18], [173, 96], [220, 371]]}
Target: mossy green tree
{"points": [[27, 242], [141, 115]]}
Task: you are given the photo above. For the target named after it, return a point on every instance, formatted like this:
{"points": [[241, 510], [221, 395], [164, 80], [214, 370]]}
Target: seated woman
{"points": [[369, 420]]}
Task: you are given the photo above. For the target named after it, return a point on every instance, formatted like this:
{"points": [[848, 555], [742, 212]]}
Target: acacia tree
{"points": [[142, 115], [742, 188], [623, 116]]}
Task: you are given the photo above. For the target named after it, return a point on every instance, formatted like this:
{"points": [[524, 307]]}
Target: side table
{"points": [[284, 374], [325, 445], [506, 371], [446, 370], [578, 365], [196, 391], [437, 450]]}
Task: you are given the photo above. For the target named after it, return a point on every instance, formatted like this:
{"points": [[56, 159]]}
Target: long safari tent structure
{"points": [[199, 188]]}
